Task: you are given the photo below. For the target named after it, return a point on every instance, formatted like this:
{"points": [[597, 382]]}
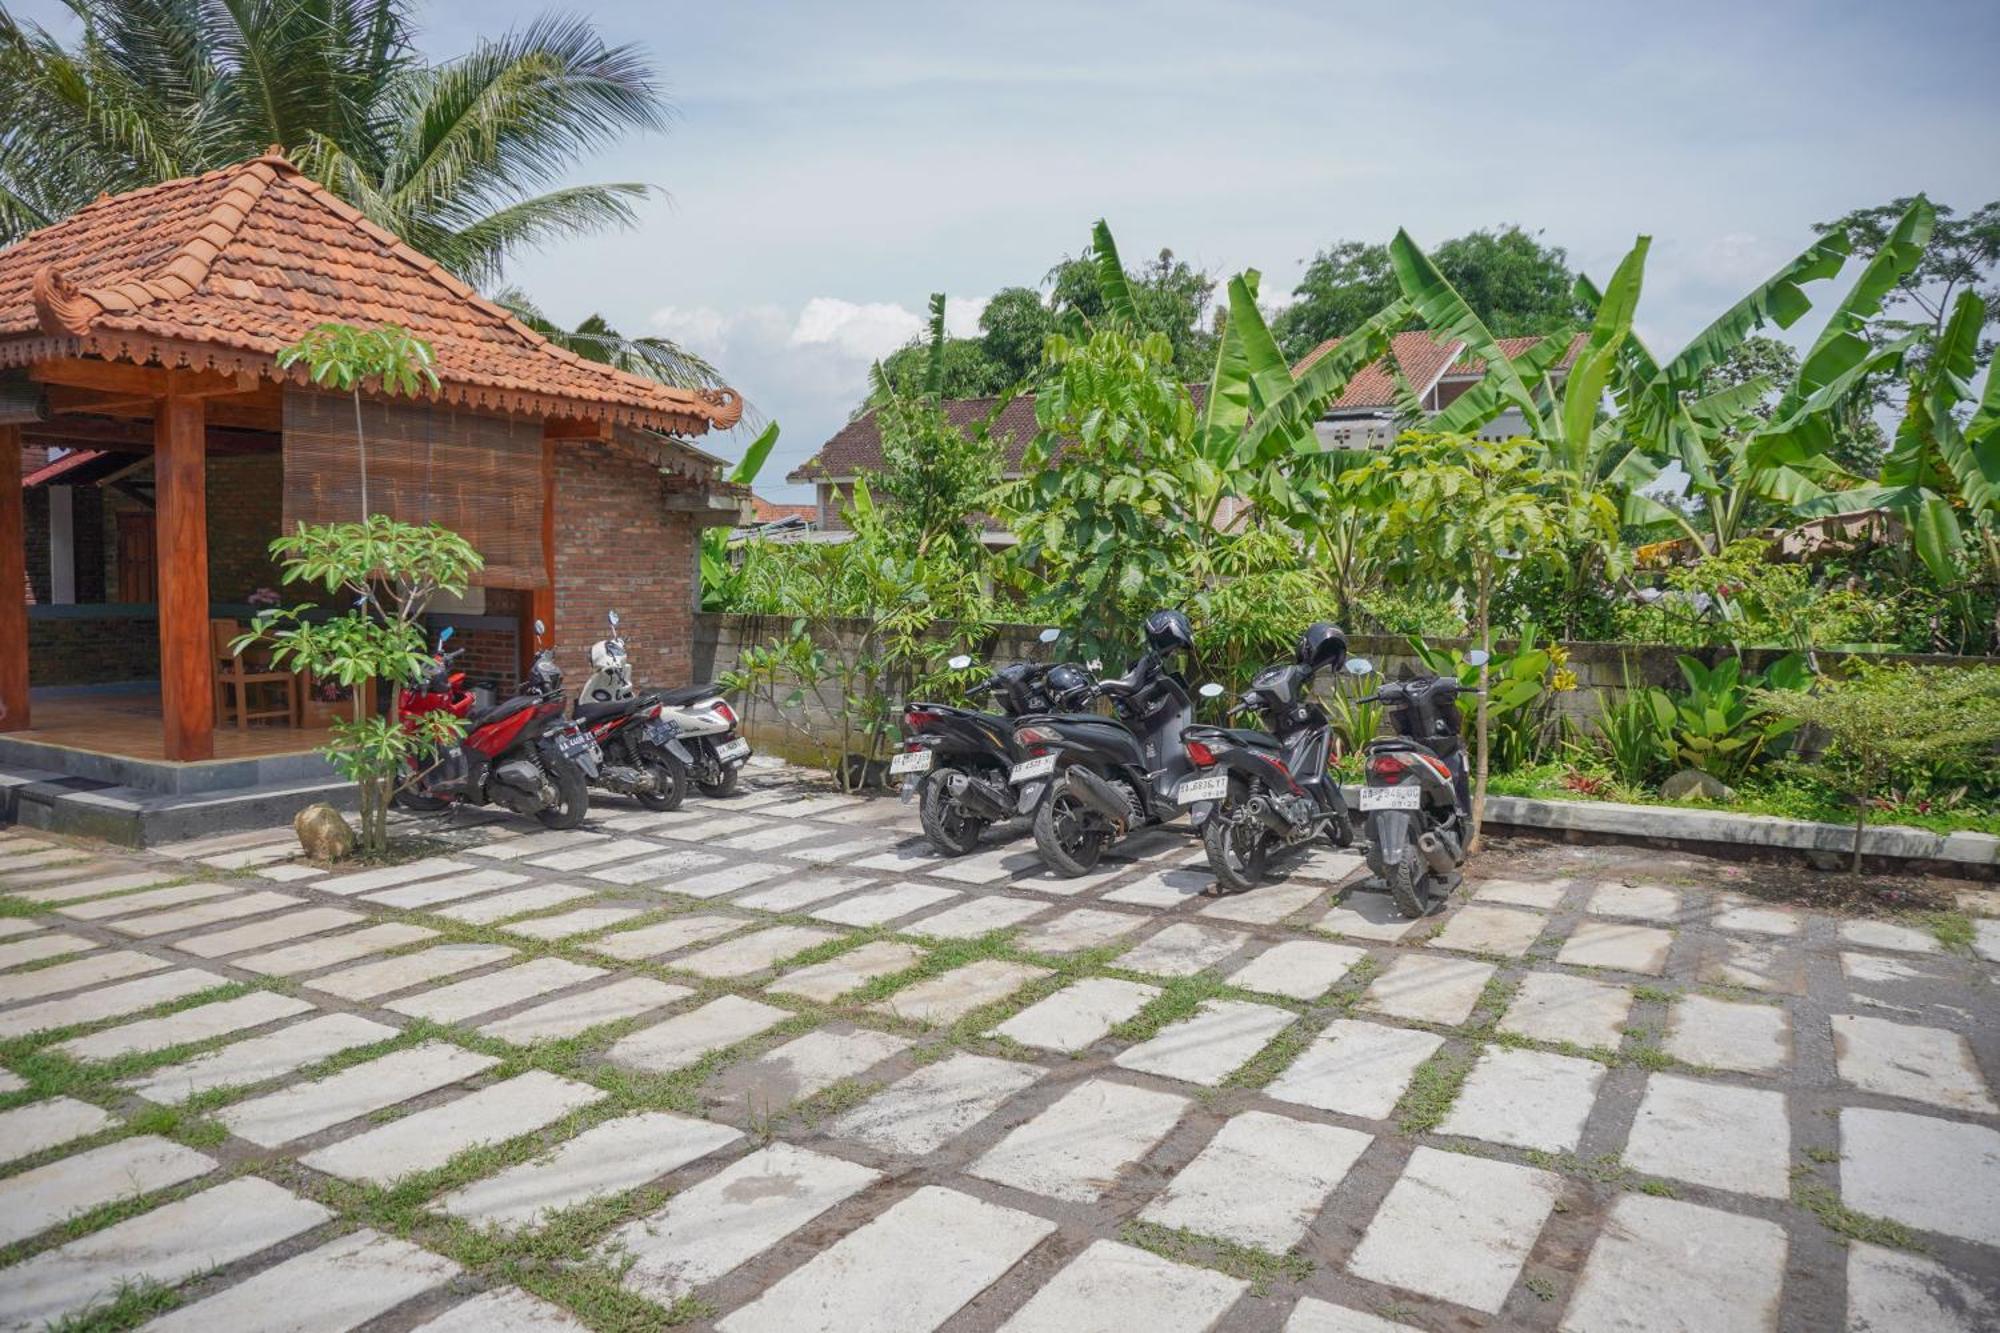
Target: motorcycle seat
{"points": [[502, 708], [685, 694], [608, 708], [1248, 736]]}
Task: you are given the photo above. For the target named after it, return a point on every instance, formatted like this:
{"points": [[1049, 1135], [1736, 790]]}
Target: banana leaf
{"points": [[1270, 372], [1938, 539], [752, 462], [1583, 395], [1486, 399], [1111, 283], [1777, 300], [1842, 345], [1444, 311], [1287, 423]]}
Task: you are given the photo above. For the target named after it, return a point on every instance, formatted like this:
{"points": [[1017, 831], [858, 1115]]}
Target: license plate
{"points": [[1033, 768], [1407, 797], [659, 733], [1202, 789], [570, 744], [736, 749], [915, 761]]}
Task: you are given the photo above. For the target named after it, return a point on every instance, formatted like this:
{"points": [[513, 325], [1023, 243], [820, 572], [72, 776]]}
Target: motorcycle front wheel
{"points": [[670, 781], [1239, 851], [950, 829], [572, 798], [1070, 835], [418, 802]]}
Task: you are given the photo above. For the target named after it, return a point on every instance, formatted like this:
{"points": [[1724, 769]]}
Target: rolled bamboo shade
{"points": [[480, 476]]}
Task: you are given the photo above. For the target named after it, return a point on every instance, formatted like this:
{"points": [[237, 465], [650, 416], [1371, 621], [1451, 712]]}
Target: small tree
{"points": [[347, 358], [1881, 723]]}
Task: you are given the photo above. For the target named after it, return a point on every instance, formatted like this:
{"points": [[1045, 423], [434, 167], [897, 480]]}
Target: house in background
{"points": [[1437, 372], [771, 521]]}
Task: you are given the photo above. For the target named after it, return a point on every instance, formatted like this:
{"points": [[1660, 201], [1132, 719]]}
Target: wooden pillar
{"points": [[542, 600], [13, 587], [187, 665]]}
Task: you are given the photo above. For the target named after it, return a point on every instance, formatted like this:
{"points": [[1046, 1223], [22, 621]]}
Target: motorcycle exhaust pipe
{"points": [[1436, 853], [978, 797], [1100, 796], [1267, 814]]}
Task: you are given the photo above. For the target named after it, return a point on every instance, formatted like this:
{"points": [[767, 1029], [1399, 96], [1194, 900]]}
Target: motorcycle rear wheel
{"points": [[950, 829], [1239, 851], [1410, 888], [1069, 835], [572, 798], [418, 803], [721, 786], [670, 781]]}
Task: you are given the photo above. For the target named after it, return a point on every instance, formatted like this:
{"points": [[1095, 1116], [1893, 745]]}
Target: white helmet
{"points": [[607, 655]]}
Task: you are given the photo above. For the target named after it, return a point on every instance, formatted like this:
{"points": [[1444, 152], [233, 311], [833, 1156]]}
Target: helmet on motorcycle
{"points": [[1322, 647], [1167, 631], [1070, 687], [545, 677], [607, 655]]}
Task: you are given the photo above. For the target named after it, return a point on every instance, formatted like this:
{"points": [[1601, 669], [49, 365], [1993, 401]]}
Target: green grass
{"points": [[1822, 1201], [1953, 930], [1432, 1091], [1259, 1267]]}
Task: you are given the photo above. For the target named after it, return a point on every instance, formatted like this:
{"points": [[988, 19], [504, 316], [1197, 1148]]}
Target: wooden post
{"points": [[542, 600], [13, 587], [187, 664]]}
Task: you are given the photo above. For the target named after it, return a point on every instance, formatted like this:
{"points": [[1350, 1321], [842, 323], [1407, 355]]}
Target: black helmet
{"points": [[1322, 647], [1070, 687], [1167, 631]]}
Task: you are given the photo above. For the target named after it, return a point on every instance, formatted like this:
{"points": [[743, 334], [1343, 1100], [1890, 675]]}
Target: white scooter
{"points": [[703, 721]]}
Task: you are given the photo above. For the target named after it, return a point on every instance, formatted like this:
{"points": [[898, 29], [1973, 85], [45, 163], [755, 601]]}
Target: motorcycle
{"points": [[705, 726], [643, 755], [1415, 798], [1091, 779], [519, 754], [955, 760], [1269, 788]]}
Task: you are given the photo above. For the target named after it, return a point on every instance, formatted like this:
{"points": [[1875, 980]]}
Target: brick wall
{"points": [[86, 538], [91, 646], [619, 548], [245, 510]]}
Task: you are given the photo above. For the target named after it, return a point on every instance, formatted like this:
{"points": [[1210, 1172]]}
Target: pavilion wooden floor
{"points": [[128, 723]]}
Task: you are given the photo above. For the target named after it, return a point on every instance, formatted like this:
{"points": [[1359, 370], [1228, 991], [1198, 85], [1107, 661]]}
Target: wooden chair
{"points": [[234, 674]]}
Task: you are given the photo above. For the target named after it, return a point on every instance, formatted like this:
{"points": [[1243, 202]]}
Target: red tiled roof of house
{"points": [[857, 447], [1424, 360], [221, 271], [766, 511]]}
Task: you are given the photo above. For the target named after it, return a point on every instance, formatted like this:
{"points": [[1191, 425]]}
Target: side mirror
{"points": [[1479, 657], [1360, 666], [540, 628], [613, 618], [445, 634], [959, 663], [1049, 635], [1211, 691]]}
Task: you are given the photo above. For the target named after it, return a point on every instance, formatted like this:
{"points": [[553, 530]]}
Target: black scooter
{"points": [[955, 760], [1091, 779], [1415, 795], [1270, 790]]}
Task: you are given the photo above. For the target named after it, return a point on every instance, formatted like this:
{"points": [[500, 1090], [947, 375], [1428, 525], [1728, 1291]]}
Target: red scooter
{"points": [[519, 754]]}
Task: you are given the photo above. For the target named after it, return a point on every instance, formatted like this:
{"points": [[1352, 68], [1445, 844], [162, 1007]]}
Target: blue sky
{"points": [[834, 163]]}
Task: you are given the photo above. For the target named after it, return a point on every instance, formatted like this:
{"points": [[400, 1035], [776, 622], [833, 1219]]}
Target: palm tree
{"points": [[595, 340], [461, 159]]}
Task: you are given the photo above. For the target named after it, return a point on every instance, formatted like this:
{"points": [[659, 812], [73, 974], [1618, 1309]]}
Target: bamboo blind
{"points": [[480, 476]]}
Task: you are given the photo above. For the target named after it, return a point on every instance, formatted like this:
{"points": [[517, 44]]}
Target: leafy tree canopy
{"points": [[1511, 279], [1963, 254]]}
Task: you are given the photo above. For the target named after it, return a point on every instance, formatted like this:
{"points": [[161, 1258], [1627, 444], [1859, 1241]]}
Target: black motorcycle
{"points": [[1270, 789], [1415, 796], [955, 760], [1091, 779], [643, 755]]}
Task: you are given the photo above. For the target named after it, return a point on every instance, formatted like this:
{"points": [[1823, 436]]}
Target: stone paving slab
{"points": [[388, 877], [1182, 949], [793, 894], [1915, 1063], [1760, 964], [806, 1066], [952, 995], [934, 1105], [1525, 1099], [204, 914], [1111, 1286], [503, 1310], [312, 955], [1267, 906], [36, 1199], [1261, 1180], [41, 947], [1366, 916], [714, 1227], [127, 904], [1490, 930], [1619, 947], [401, 972], [1714, 1134], [1640, 902], [828, 981], [257, 1059], [582, 921], [169, 1244], [756, 952], [343, 1284], [534, 844], [1078, 1146], [94, 971], [595, 854], [307, 1108], [1082, 928], [1079, 1014], [1543, 894], [682, 1040], [1163, 888], [429, 893], [1889, 1290], [1209, 1046], [909, 1270], [429, 1138], [1661, 1265], [1316, 1316], [1749, 917], [979, 916], [880, 906], [1932, 1174], [1428, 990], [1301, 969], [534, 898], [715, 883], [989, 867], [1726, 1034], [114, 1001], [39, 1126], [200, 1023], [1892, 936], [1356, 1068], [494, 990], [664, 937], [1484, 1214], [611, 1158], [1557, 1007], [264, 934], [94, 887], [568, 1015]]}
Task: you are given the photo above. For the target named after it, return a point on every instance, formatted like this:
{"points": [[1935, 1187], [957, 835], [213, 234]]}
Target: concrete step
{"points": [[139, 817]]}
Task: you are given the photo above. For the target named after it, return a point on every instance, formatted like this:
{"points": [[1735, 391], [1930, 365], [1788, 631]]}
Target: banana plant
{"points": [[716, 571]]}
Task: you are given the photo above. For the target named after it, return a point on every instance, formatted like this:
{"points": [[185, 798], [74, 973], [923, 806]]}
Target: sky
{"points": [[833, 164]]}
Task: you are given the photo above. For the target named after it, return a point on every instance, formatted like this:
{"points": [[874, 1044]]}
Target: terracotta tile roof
{"points": [[766, 511], [221, 271], [857, 447], [1424, 361]]}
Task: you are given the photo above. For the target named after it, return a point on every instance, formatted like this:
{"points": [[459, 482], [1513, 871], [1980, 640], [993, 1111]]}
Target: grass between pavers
{"points": [[1252, 1263], [1823, 1202], [1952, 929], [1432, 1090], [131, 1305]]}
